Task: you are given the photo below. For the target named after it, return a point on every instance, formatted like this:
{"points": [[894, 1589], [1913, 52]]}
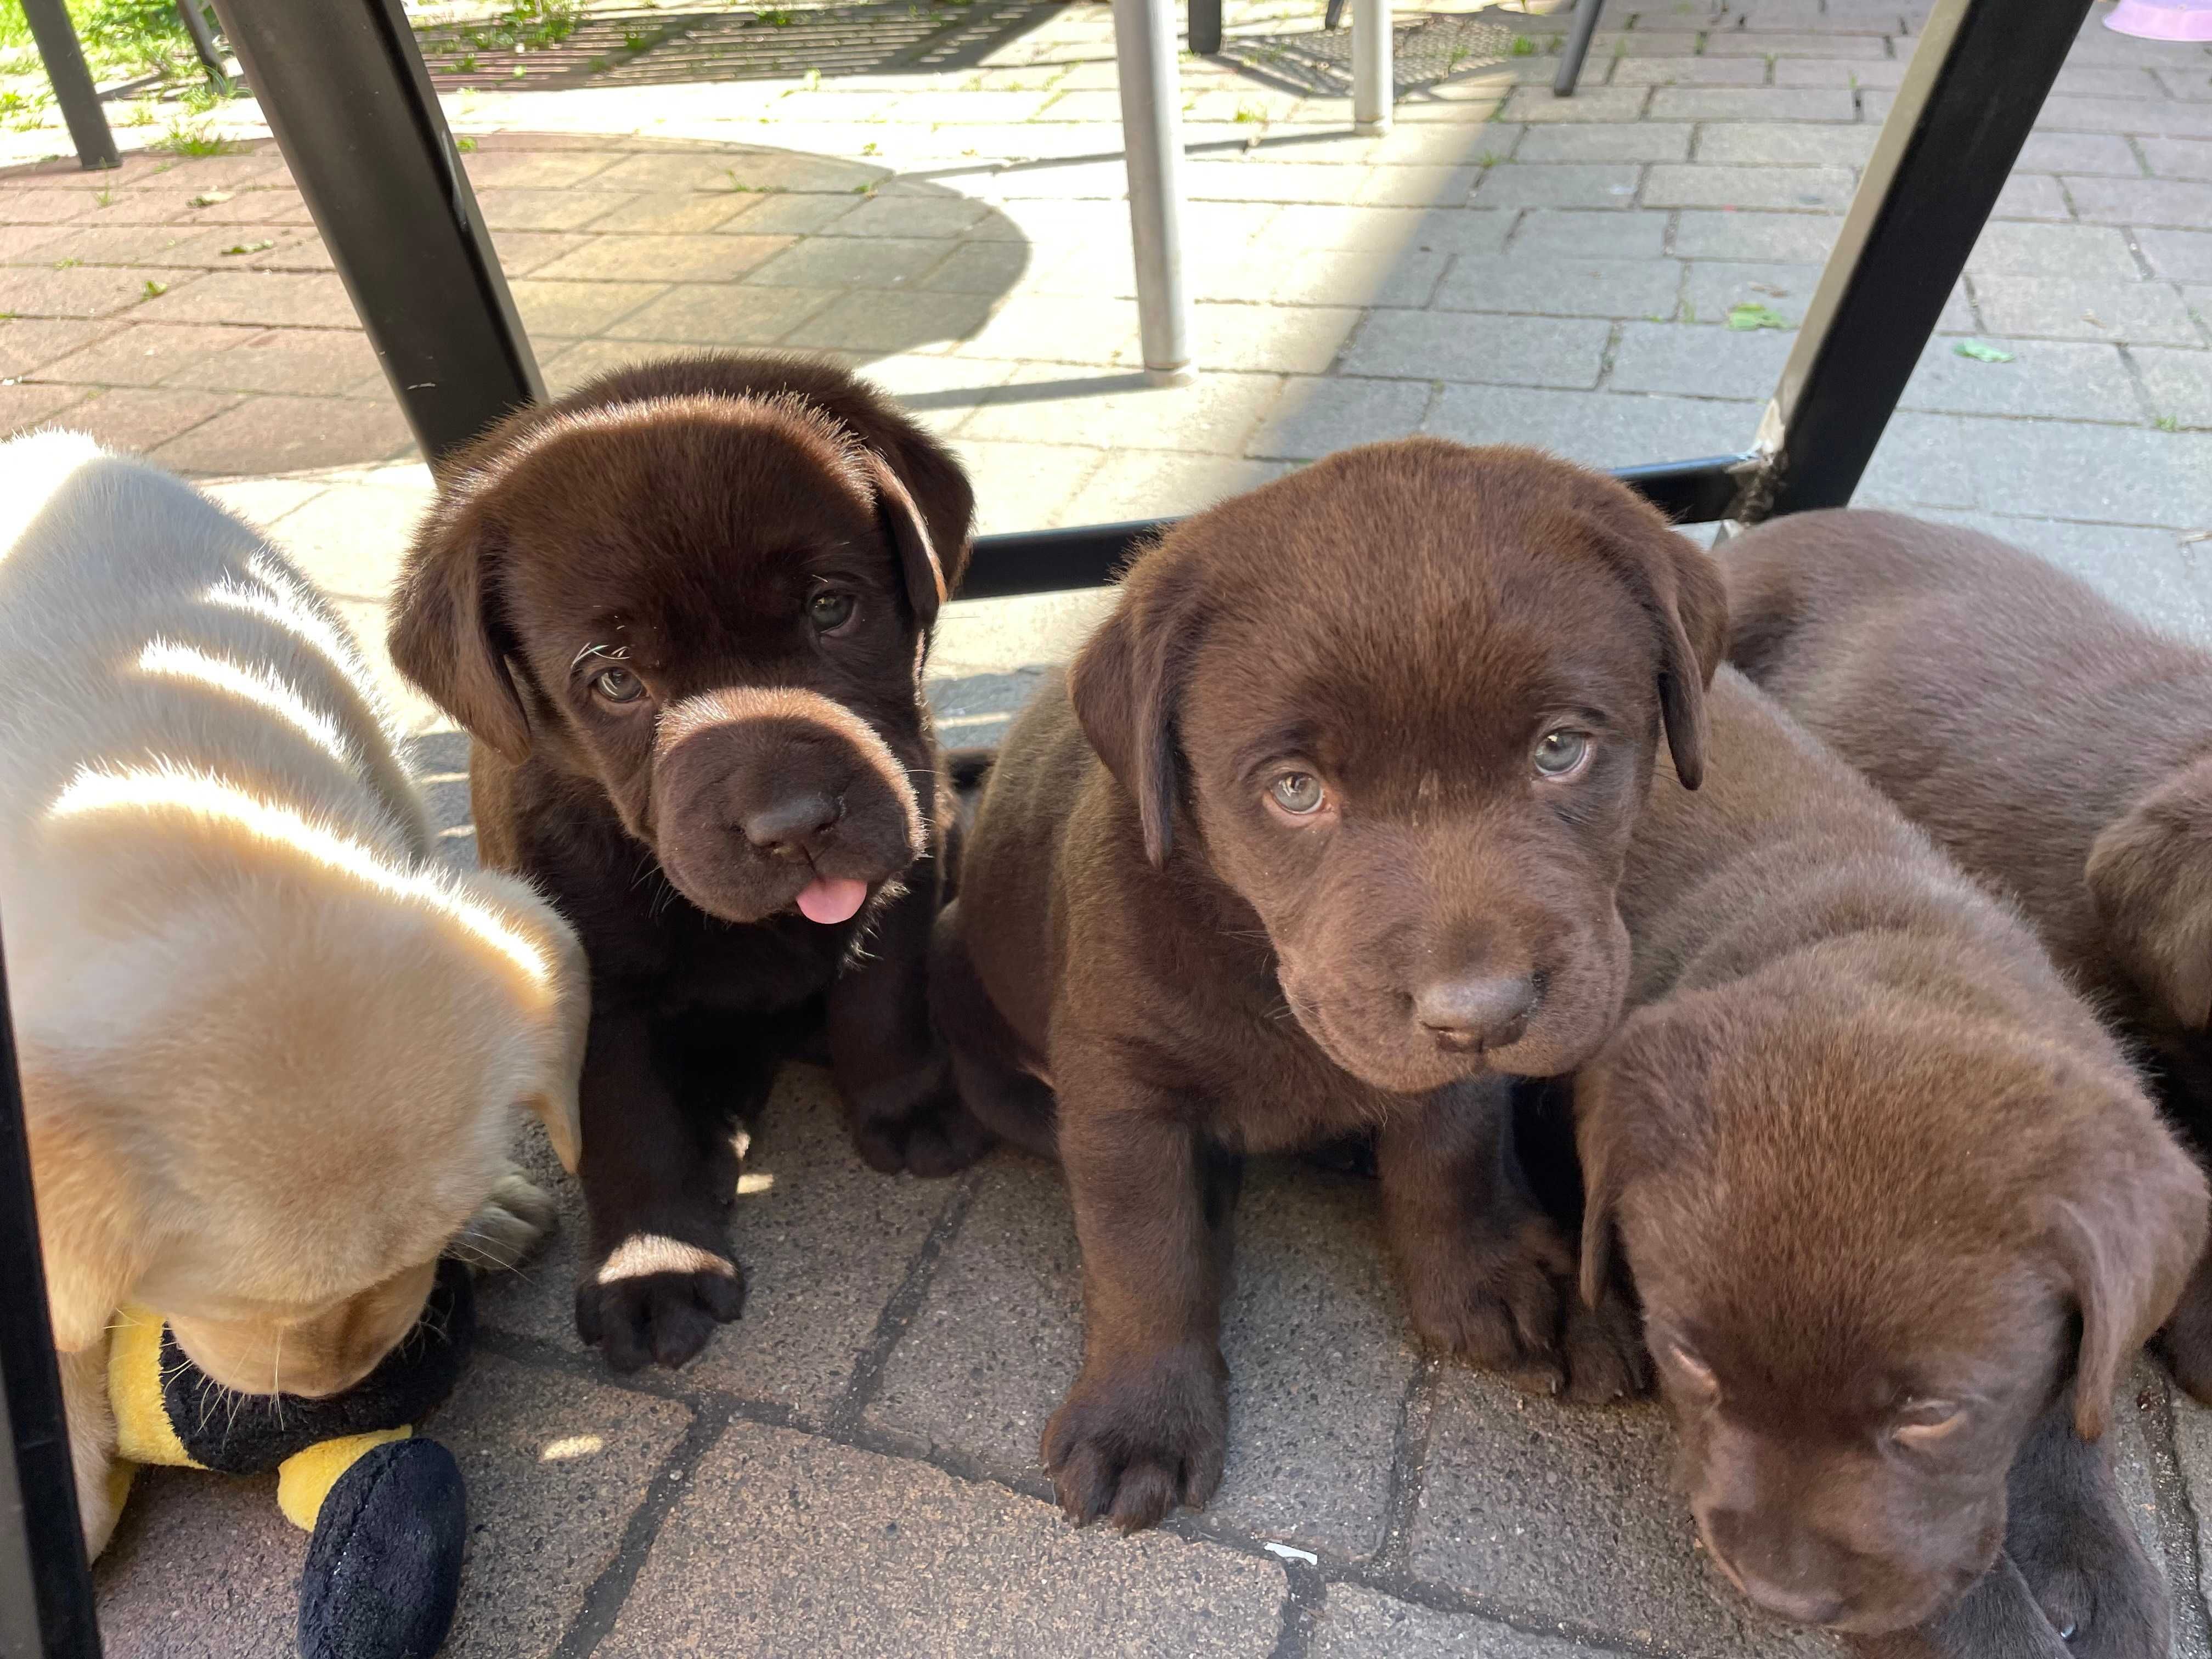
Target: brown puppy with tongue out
{"points": [[683, 611]]}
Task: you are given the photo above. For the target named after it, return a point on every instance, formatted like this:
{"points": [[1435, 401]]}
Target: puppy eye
{"points": [[618, 685], [1925, 1423], [1561, 753], [1299, 793], [1694, 1370], [830, 610]]}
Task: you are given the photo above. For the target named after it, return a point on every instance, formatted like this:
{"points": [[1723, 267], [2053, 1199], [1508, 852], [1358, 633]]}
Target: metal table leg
{"points": [[196, 25], [342, 85], [1372, 89], [1206, 26], [1578, 43], [1152, 137], [72, 82]]}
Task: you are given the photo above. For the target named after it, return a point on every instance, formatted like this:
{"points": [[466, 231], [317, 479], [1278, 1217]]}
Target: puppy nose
{"points": [[788, 829], [1480, 1011], [1798, 1607]]}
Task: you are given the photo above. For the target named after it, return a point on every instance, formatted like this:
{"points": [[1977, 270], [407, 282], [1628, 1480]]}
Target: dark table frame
{"points": [[346, 94]]}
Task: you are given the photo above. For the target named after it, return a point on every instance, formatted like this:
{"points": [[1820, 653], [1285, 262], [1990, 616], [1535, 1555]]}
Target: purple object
{"points": [[2163, 20]]}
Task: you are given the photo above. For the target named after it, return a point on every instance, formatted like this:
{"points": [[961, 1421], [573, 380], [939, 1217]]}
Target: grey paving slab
{"points": [[2058, 380], [787, 1546], [1788, 238], [1602, 429], [1516, 1486], [1690, 72], [2185, 203], [1318, 1350], [1468, 346], [2066, 308], [2174, 158], [1752, 143], [1930, 461], [2186, 256], [824, 1243], [1310, 416], [2105, 474], [1214, 415], [1641, 141], [1149, 483], [1752, 104], [1699, 361], [2034, 196], [2085, 152], [1359, 1623], [2177, 383], [2154, 572], [1560, 287], [1710, 184], [2083, 253], [1632, 235]]}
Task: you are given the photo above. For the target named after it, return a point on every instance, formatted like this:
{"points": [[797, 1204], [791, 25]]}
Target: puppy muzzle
{"points": [[771, 799]]}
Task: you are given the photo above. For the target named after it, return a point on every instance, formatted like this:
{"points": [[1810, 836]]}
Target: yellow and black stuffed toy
{"points": [[386, 1511]]}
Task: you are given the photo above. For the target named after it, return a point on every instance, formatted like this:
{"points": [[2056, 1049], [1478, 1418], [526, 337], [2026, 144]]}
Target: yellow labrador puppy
{"points": [[272, 1052]]}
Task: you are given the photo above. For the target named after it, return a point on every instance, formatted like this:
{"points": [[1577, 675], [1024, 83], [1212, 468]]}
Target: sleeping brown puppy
{"points": [[2049, 742], [1897, 1209], [1320, 835], [683, 612]]}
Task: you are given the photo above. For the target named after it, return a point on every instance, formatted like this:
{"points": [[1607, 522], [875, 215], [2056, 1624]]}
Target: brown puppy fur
{"points": [[1897, 1209], [683, 612], [1322, 835], [2049, 742]]}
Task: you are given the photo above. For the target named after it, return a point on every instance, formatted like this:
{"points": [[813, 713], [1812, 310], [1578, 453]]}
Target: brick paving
{"points": [[851, 1468]]}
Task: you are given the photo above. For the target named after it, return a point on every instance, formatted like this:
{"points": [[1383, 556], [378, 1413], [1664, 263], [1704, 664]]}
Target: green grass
{"points": [[195, 138], [2166, 423], [1523, 46]]}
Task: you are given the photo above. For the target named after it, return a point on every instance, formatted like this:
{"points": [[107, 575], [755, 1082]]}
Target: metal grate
{"points": [[1427, 52]]}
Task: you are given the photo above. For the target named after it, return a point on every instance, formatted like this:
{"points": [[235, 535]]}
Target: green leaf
{"points": [[250, 247], [1751, 314], [1982, 351]]}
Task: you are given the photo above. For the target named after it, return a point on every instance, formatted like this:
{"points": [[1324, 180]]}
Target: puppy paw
{"points": [[1996, 1619], [918, 1125], [1129, 1447], [2097, 1588], [1496, 1298], [514, 1219], [1606, 1359], [653, 1297]]}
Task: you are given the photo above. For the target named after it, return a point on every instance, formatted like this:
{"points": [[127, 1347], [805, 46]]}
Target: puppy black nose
{"points": [[788, 829], [1798, 1607], [1480, 1011]]}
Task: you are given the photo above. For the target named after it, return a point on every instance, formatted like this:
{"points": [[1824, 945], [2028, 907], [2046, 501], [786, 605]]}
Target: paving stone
{"points": [[2152, 572], [1536, 106], [999, 1339], [878, 321], [1213, 415], [1418, 186], [1751, 103], [274, 299], [1313, 418], [22, 407], [1832, 72], [2032, 195], [1736, 43], [1359, 1623], [1642, 141], [1437, 230], [1024, 486], [775, 214], [348, 540], [1699, 362], [30, 342], [2177, 383], [824, 1244], [2145, 116], [2085, 152], [1558, 184], [1462, 346], [1755, 144], [2173, 158], [723, 315], [310, 361], [1627, 235], [1344, 277], [1599, 428], [1928, 461], [2168, 202], [980, 267], [1516, 1486], [143, 354], [1704, 185], [666, 258], [142, 418], [493, 169], [783, 1545], [2184, 255], [1271, 181], [1787, 238], [2178, 82], [912, 216], [2058, 307], [879, 261], [2109, 474], [285, 434], [1689, 72], [201, 1567], [89, 290], [2086, 252], [49, 207], [1561, 287], [572, 210], [2067, 380], [1148, 484], [556, 1467], [1272, 339]]}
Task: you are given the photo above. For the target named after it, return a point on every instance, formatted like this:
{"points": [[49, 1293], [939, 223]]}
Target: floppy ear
{"points": [[2126, 1254], [1126, 684], [2150, 878], [1680, 586], [926, 586], [91, 1230], [448, 634]]}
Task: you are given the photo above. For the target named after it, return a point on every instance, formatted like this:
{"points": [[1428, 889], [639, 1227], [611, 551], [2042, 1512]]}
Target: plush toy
{"points": [[385, 1511]]}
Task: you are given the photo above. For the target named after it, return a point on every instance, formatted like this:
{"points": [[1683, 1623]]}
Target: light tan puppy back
{"points": [[273, 1054]]}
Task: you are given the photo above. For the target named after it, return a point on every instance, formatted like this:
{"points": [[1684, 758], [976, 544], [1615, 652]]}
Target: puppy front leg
{"points": [[2068, 1530], [1488, 1275], [1997, 1619], [1146, 1425], [101, 1480], [893, 1073], [658, 1277]]}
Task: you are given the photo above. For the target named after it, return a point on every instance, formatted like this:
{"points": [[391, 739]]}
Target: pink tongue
{"points": [[831, 898]]}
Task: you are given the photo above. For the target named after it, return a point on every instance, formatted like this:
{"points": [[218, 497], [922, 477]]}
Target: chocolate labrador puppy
{"points": [[1321, 835], [683, 611], [1897, 1210], [2050, 743]]}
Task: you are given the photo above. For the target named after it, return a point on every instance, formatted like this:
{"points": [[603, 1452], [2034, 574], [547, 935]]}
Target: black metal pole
{"points": [[1970, 96], [343, 86], [196, 25], [45, 1586], [72, 82], [1576, 49]]}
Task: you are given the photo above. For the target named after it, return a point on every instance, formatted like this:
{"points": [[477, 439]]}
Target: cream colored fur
{"points": [[272, 1052]]}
